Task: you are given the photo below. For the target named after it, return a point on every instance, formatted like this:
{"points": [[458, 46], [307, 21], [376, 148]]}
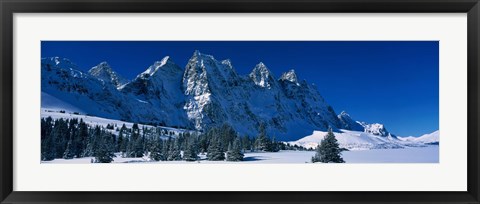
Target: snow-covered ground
{"points": [[428, 154]]}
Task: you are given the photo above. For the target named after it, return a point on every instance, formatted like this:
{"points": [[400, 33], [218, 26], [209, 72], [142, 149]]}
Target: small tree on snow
{"points": [[328, 151], [235, 152], [262, 141], [104, 152], [68, 152], [215, 150], [191, 150], [157, 154], [174, 153]]}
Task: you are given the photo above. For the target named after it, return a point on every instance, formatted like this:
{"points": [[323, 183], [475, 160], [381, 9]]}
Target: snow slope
{"points": [[357, 140], [431, 138]]}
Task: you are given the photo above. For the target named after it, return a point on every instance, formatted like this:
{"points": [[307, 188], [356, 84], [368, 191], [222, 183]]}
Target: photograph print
{"points": [[239, 102]]}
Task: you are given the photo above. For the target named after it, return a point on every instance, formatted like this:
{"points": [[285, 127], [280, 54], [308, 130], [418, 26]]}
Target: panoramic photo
{"points": [[239, 102]]}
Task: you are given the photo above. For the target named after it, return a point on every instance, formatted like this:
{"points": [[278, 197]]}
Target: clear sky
{"points": [[394, 83]]}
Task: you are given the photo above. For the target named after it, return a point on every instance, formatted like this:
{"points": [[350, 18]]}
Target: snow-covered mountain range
{"points": [[362, 140], [206, 93]]}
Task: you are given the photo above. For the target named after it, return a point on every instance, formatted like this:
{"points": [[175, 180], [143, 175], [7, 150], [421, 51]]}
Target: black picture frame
{"points": [[10, 7]]}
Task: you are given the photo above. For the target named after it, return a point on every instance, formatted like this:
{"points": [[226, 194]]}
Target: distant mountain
{"points": [[204, 94], [104, 72], [431, 138], [361, 140]]}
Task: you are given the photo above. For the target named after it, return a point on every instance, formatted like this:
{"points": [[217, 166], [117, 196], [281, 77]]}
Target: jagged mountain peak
{"points": [[102, 66], [165, 62], [59, 61], [104, 72], [197, 56], [227, 62], [348, 123], [290, 76], [376, 129], [262, 76], [344, 114]]}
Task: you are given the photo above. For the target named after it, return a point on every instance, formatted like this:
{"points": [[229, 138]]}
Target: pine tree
{"points": [[157, 154], [227, 135], [72, 146], [174, 151], [215, 150], [191, 151], [136, 142], [166, 148], [104, 153], [69, 152], [328, 151], [262, 141], [235, 152], [246, 143], [120, 143], [273, 145], [47, 140], [83, 139], [60, 135]]}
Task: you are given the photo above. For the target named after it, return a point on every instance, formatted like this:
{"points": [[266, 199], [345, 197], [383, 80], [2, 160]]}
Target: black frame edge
{"points": [[473, 21], [9, 7], [6, 95]]}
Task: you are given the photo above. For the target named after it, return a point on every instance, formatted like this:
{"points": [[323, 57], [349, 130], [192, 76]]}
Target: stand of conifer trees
{"points": [[73, 138]]}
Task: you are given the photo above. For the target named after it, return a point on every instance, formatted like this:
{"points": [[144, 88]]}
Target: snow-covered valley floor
{"points": [[427, 154]]}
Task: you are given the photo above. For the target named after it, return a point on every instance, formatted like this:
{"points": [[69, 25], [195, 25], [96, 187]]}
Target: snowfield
{"points": [[428, 154]]}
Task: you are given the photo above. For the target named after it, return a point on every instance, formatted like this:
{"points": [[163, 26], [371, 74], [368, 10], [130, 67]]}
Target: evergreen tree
{"points": [[157, 154], [174, 153], [73, 146], [166, 148], [47, 140], [273, 145], [227, 135], [215, 150], [120, 143], [83, 139], [191, 151], [246, 143], [61, 136], [203, 143], [69, 152], [104, 151], [262, 141], [136, 142], [328, 151], [235, 152]]}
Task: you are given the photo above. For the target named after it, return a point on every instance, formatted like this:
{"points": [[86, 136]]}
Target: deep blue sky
{"points": [[394, 83]]}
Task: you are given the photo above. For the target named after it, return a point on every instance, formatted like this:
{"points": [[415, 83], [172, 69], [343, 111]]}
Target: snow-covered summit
{"points": [[157, 65], [431, 138], [58, 62], [104, 72], [290, 76], [376, 129], [262, 76], [348, 123]]}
